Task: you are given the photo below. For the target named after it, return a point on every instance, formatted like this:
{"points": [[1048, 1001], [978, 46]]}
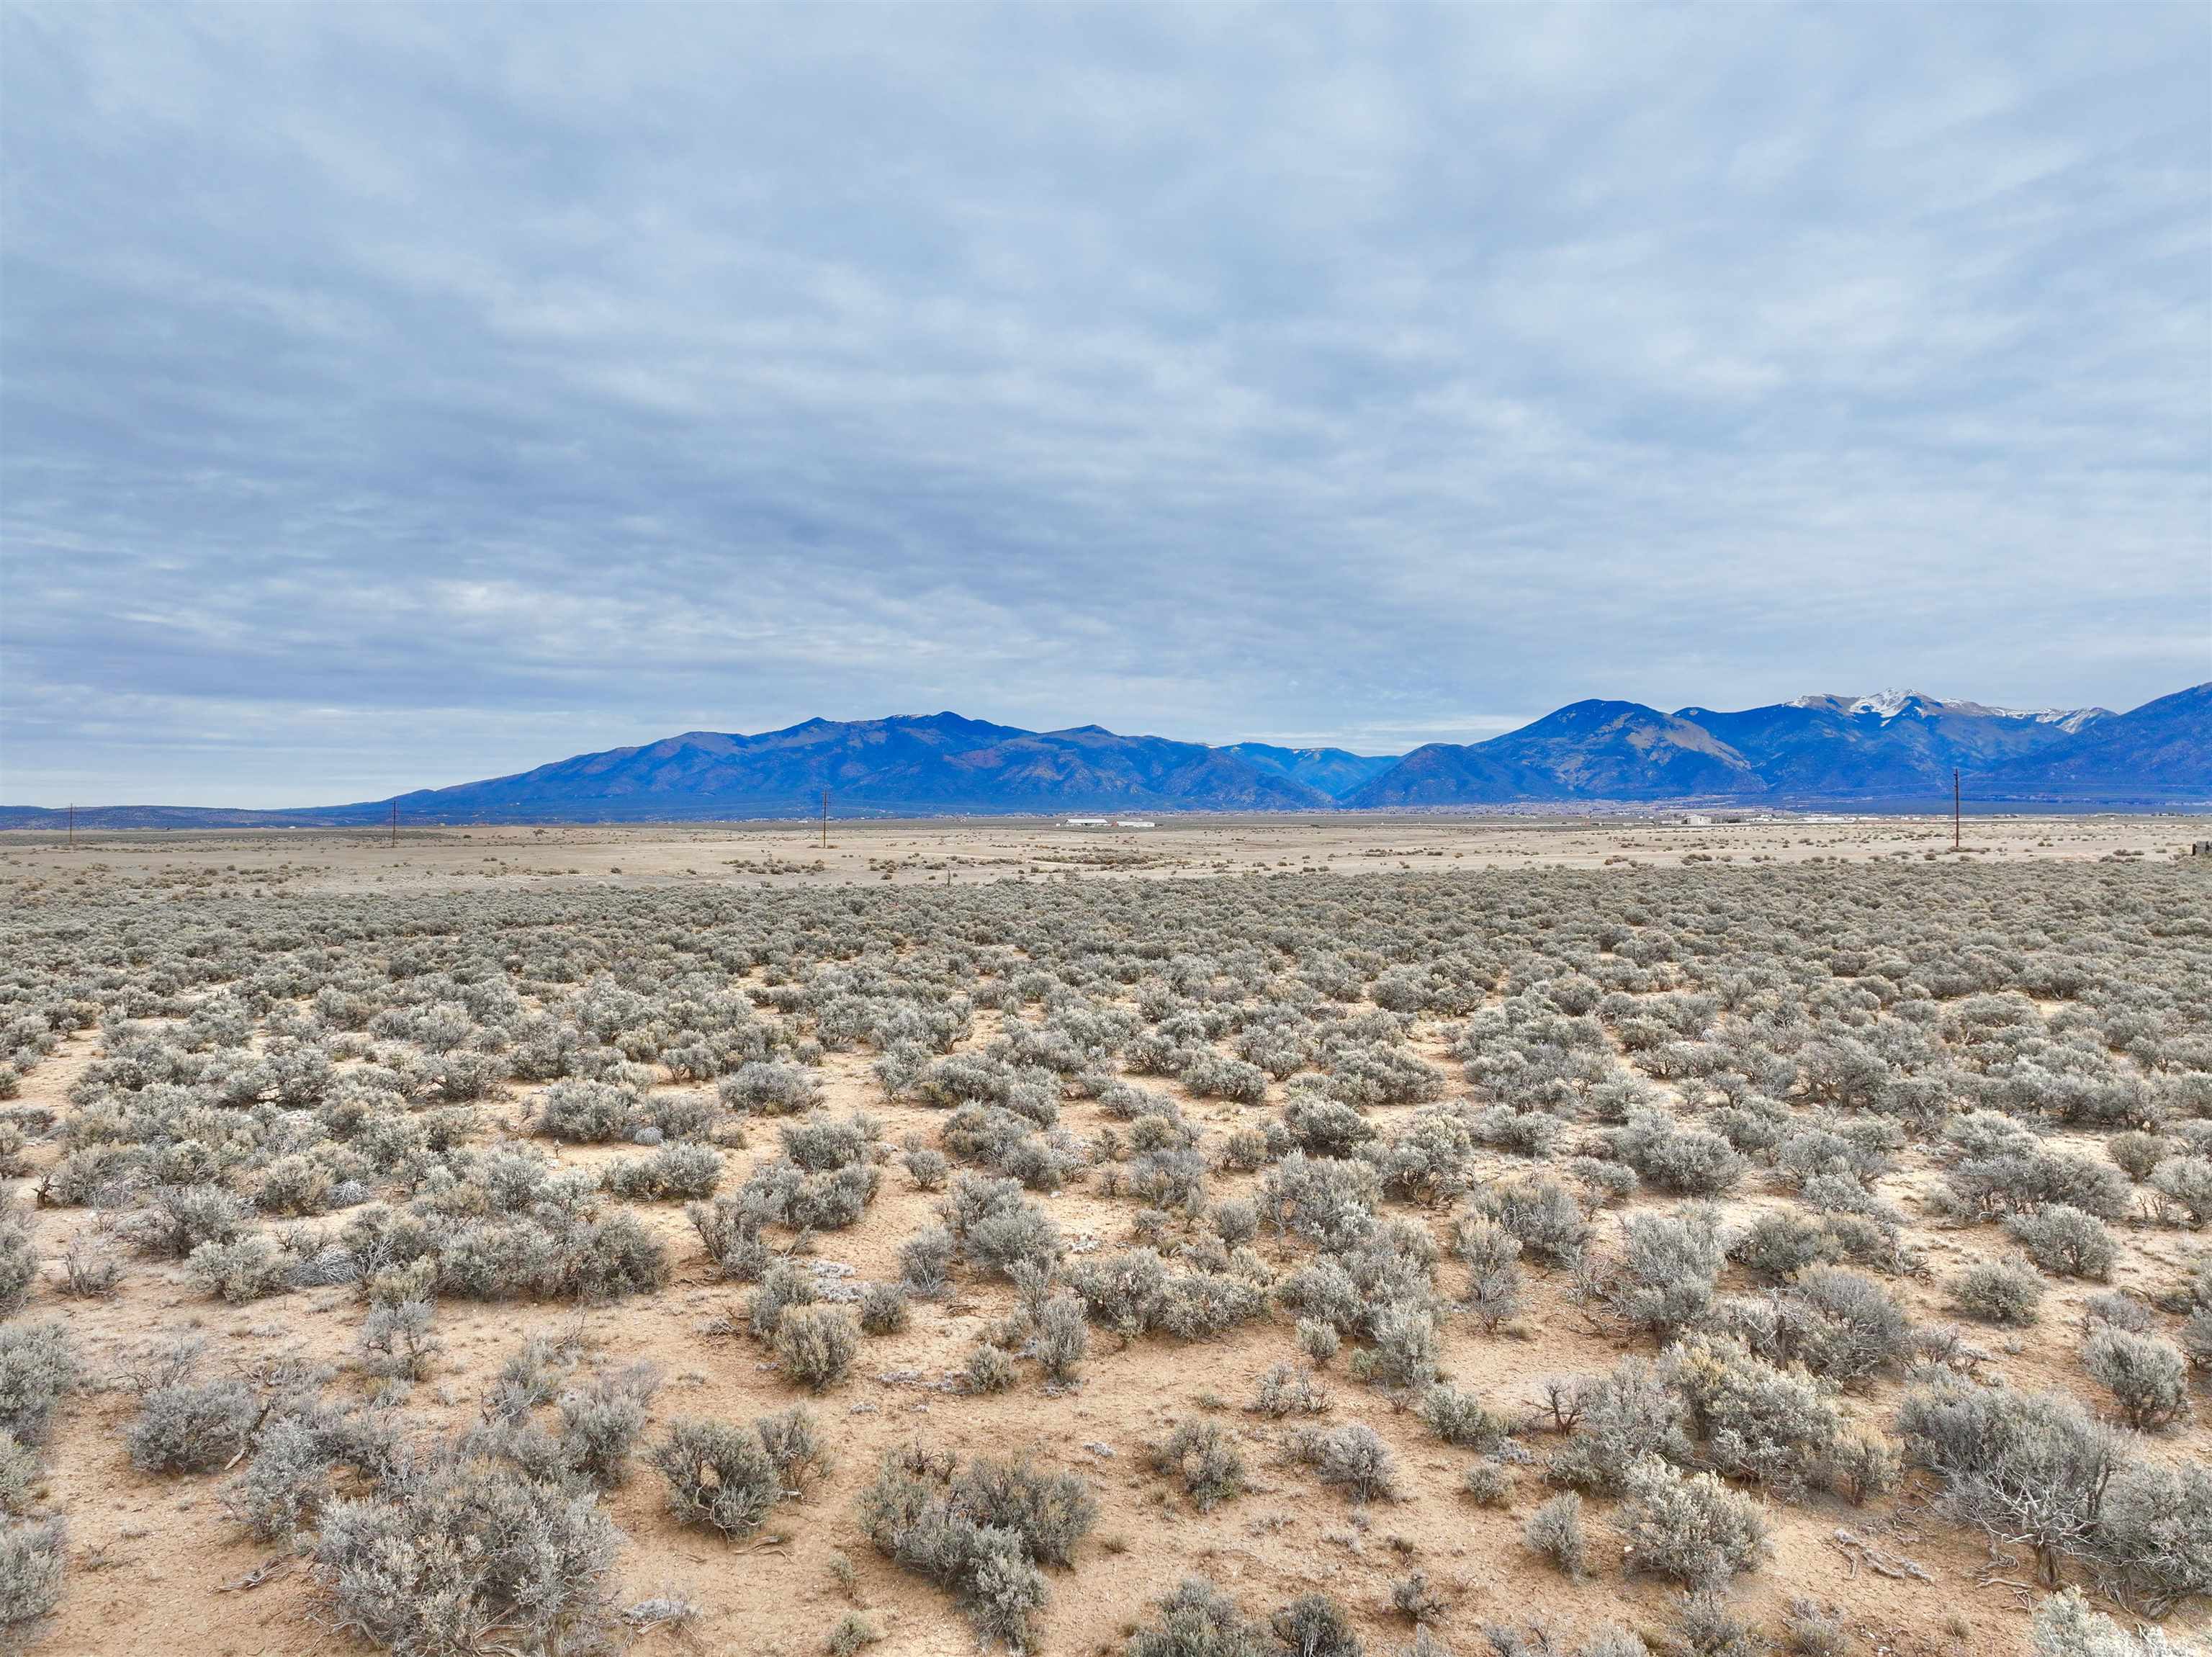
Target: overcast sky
{"points": [[392, 397]]}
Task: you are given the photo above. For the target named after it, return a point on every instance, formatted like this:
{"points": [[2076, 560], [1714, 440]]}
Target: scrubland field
{"points": [[1442, 1234]]}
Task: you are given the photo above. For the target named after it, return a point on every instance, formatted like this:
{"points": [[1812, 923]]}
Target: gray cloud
{"points": [[394, 397]]}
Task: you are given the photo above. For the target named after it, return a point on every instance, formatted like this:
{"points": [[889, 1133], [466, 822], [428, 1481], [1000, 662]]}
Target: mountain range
{"points": [[1895, 749]]}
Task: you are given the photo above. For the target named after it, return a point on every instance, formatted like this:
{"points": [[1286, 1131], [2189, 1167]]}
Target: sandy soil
{"points": [[155, 1565], [964, 851]]}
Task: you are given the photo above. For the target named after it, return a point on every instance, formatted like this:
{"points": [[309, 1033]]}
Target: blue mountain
{"points": [[1890, 748], [1334, 771]]}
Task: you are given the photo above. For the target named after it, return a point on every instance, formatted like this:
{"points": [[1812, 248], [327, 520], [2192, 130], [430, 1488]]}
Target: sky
{"points": [[390, 397]]}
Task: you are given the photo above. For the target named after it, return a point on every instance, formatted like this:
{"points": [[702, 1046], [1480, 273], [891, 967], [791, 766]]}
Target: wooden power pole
{"points": [[72, 825], [825, 819], [1955, 808], [395, 825]]}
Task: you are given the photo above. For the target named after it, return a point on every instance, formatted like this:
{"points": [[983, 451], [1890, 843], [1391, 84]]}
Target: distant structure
{"points": [[1134, 822], [1088, 822]]}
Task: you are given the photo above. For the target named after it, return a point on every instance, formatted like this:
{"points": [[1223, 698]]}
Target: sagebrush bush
{"points": [[2007, 1291], [1759, 1423], [1491, 1255], [796, 1444], [19, 1263], [1778, 1244], [672, 1173], [719, 1475], [1687, 1161], [1810, 1628], [782, 1286], [1314, 1625], [586, 1112], [1487, 1484], [2136, 1154], [1554, 1531], [2154, 1532], [770, 1087], [1841, 1326], [2148, 1377], [815, 1344], [39, 1368], [2066, 1626], [89, 1271], [981, 1532], [20, 1471], [287, 1484], [1318, 1341], [31, 1568], [1707, 1625], [1461, 1418], [245, 1268], [1406, 1351], [1617, 1421], [1215, 1076], [2032, 1469], [2183, 1187], [1542, 1213], [1203, 1460], [433, 1563], [927, 1167], [2023, 1180], [179, 1218], [2065, 1242], [190, 1427], [990, 1368], [1668, 1266], [1197, 1620], [602, 1421], [1692, 1528], [885, 1308], [1284, 1391], [398, 1341], [926, 1262], [1354, 1457], [1060, 1339]]}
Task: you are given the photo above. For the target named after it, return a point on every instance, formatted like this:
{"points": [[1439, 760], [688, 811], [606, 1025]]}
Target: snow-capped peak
{"points": [[1885, 704], [1888, 704], [2069, 719]]}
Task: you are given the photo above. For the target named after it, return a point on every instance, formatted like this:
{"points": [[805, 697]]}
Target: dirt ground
{"points": [[155, 1567], [964, 852]]}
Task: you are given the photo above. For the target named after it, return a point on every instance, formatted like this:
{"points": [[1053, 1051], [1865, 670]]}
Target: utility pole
{"points": [[395, 825], [72, 825], [825, 819], [1955, 808]]}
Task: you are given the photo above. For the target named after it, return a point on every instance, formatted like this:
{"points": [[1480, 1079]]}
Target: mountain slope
{"points": [[1591, 750], [1334, 771], [1090, 767], [706, 773], [1889, 748], [1896, 744], [2159, 752], [933, 762]]}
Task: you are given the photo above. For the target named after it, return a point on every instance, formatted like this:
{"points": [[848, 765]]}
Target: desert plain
{"points": [[1155, 1034]]}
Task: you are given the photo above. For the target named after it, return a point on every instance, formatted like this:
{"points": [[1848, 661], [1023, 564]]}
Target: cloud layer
{"points": [[395, 397]]}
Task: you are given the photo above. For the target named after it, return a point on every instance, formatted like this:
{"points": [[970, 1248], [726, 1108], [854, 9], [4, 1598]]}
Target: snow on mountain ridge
{"points": [[1888, 704]]}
